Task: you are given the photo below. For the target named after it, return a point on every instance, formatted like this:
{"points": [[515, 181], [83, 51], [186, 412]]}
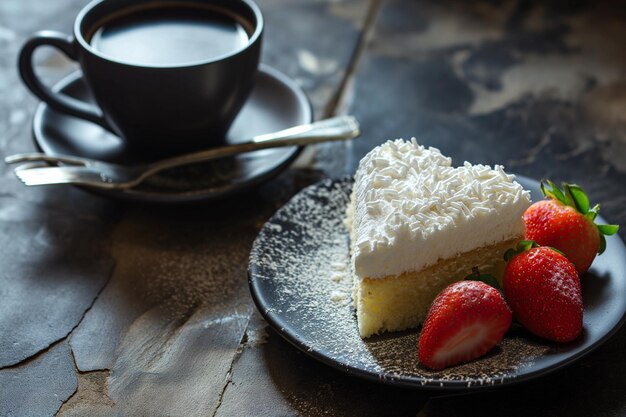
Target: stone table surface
{"points": [[138, 310]]}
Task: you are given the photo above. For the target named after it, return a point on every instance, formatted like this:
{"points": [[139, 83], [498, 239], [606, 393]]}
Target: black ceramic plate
{"points": [[275, 103], [300, 282]]}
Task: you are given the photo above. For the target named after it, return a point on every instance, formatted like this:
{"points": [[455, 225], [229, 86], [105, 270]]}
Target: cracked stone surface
{"points": [[38, 387], [54, 264], [109, 309]]}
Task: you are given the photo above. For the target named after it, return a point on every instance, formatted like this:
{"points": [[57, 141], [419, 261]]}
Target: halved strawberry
{"points": [[466, 320], [566, 222]]}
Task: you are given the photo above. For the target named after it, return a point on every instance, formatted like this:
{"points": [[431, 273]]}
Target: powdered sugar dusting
{"points": [[300, 270]]}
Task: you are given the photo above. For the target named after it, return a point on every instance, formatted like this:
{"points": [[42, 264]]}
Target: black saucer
{"points": [[276, 103], [301, 283]]}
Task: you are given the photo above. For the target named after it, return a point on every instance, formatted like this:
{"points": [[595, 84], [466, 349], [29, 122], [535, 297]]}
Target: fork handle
{"points": [[39, 156], [336, 128]]}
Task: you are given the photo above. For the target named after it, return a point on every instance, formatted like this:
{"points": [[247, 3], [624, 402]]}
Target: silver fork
{"points": [[99, 174]]}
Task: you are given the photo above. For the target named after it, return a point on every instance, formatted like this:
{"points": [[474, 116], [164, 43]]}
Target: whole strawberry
{"points": [[543, 290], [564, 221], [466, 320]]}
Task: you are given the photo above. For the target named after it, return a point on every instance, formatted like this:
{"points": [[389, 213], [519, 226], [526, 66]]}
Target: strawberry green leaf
{"points": [[522, 246], [602, 247], [571, 195], [608, 229], [569, 199], [578, 196], [593, 212], [489, 280], [557, 251], [509, 254], [486, 278], [554, 192]]}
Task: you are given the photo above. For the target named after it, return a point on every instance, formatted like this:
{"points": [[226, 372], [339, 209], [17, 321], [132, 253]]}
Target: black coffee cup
{"points": [[158, 107]]}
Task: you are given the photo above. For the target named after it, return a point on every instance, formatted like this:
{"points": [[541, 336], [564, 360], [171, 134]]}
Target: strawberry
{"points": [[465, 321], [566, 222], [543, 289]]}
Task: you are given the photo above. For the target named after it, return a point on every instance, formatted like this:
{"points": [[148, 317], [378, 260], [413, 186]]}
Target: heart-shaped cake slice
{"points": [[417, 224]]}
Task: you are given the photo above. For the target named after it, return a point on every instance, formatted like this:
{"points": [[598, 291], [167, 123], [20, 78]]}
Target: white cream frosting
{"points": [[410, 208]]}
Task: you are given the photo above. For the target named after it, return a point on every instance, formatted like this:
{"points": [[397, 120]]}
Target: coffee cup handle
{"points": [[59, 102]]}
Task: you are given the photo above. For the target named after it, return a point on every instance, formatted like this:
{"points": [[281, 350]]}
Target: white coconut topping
{"points": [[411, 208]]}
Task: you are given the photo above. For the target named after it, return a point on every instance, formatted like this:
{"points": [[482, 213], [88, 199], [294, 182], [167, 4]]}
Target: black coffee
{"points": [[165, 36]]}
